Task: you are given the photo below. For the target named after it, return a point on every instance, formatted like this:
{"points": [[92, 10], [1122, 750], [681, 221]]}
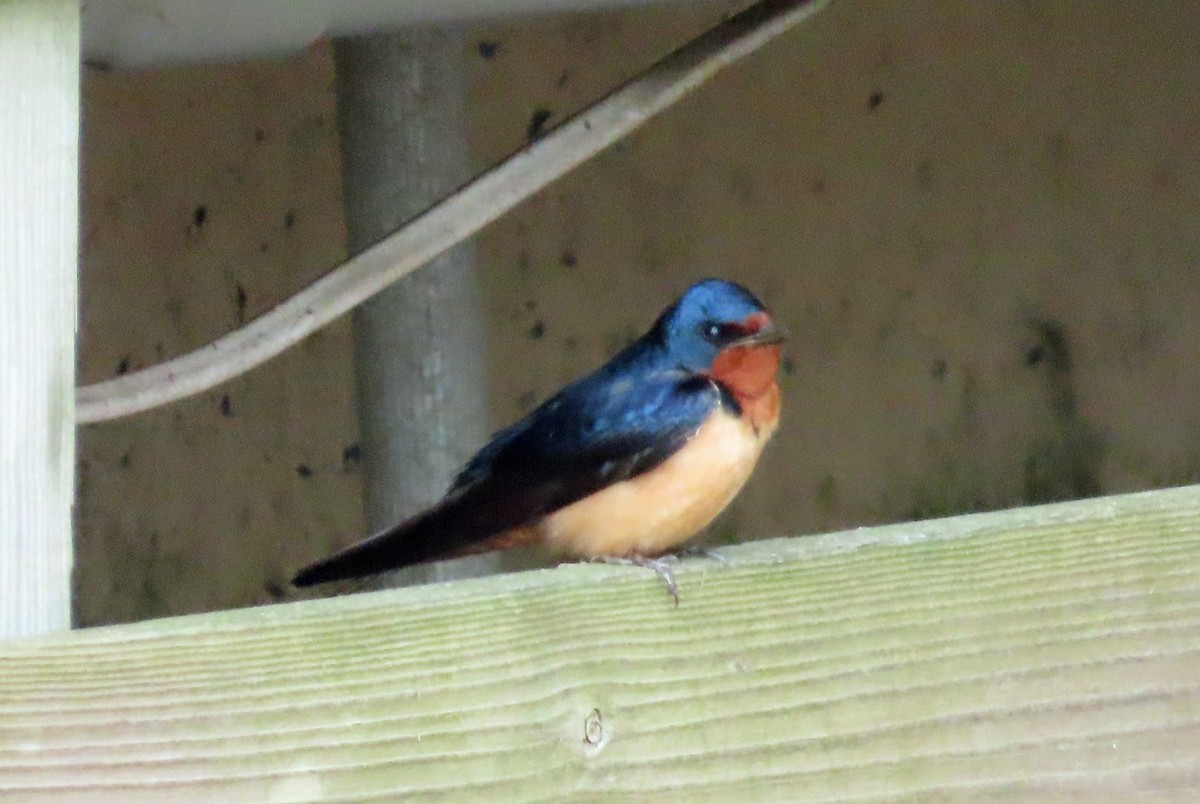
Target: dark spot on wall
{"points": [[537, 330], [259, 135], [159, 350], [304, 470], [1052, 353], [273, 590], [827, 494], [226, 406], [1062, 469], [239, 299], [526, 401], [563, 79], [263, 248], [488, 48], [351, 457], [126, 459], [1064, 461], [537, 124], [200, 215], [530, 305], [123, 365], [570, 343], [289, 219], [818, 186], [938, 370], [568, 259], [874, 101], [788, 366]]}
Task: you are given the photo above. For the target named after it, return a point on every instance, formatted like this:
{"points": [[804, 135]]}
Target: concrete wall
{"points": [[978, 221], [209, 196]]}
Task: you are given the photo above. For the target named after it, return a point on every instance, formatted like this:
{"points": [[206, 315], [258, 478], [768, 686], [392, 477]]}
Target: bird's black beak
{"points": [[768, 334]]}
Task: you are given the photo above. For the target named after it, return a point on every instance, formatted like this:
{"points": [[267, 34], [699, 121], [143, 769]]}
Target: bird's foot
{"points": [[659, 565]]}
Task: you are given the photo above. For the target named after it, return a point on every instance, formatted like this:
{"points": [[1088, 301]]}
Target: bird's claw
{"points": [[664, 572], [659, 566]]}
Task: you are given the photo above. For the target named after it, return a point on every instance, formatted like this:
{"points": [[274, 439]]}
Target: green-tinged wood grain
{"points": [[1046, 652]]}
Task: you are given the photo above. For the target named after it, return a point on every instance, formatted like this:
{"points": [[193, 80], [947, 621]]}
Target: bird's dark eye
{"points": [[711, 331]]}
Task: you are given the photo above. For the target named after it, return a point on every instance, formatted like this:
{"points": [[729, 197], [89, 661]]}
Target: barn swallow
{"points": [[621, 465]]}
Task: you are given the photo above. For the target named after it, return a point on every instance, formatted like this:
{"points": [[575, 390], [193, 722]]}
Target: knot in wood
{"points": [[593, 728]]}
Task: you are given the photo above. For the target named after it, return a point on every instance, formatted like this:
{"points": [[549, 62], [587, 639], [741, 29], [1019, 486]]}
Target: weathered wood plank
{"points": [[39, 220], [1047, 652]]}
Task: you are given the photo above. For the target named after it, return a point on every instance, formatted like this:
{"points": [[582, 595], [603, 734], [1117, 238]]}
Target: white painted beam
{"points": [[39, 210], [129, 32]]}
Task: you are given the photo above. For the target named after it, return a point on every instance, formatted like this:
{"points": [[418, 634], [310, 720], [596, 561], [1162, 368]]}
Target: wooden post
{"points": [[419, 346], [39, 169]]}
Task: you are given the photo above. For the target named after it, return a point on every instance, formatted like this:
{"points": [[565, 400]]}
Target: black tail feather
{"points": [[455, 525], [414, 541]]}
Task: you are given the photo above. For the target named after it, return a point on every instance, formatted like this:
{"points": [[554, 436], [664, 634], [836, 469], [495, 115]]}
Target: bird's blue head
{"points": [[714, 317]]}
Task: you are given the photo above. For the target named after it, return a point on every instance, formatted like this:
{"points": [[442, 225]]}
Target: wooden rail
{"points": [[1046, 652]]}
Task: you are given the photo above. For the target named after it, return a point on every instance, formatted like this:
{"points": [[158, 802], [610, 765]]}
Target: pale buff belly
{"points": [[654, 512]]}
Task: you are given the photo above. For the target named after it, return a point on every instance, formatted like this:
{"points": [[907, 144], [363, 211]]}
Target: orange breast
{"points": [[651, 513], [749, 374]]}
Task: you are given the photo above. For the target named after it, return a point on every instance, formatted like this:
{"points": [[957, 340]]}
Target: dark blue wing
{"points": [[612, 425], [596, 432]]}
